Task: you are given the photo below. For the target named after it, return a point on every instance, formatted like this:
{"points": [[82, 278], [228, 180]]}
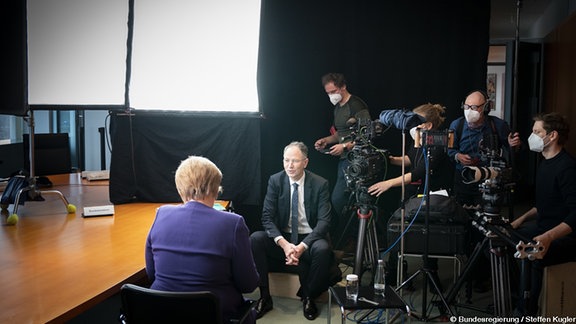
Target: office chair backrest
{"points": [[144, 305]]}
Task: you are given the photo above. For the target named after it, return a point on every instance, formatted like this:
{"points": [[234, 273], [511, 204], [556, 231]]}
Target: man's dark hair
{"points": [[336, 78], [555, 122]]}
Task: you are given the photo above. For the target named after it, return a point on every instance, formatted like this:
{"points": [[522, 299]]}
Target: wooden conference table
{"points": [[55, 265]]}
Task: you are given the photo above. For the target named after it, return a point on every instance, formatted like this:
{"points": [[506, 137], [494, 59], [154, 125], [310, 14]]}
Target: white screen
{"points": [[77, 51], [195, 55], [186, 54]]}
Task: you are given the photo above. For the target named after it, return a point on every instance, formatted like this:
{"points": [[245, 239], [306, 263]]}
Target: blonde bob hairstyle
{"points": [[197, 178]]}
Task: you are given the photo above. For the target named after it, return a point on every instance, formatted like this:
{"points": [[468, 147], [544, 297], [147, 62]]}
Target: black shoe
{"points": [[309, 308], [263, 306]]}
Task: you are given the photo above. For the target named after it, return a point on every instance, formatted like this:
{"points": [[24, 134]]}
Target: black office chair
{"points": [[142, 305]]}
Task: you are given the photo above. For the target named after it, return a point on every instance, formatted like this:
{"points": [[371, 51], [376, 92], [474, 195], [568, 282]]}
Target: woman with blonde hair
{"points": [[415, 159], [194, 247], [414, 178]]}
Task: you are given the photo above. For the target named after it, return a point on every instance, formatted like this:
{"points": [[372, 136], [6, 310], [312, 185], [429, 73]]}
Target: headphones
{"points": [[488, 104]]}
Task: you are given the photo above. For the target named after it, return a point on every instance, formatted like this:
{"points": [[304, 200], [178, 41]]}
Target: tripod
{"points": [[367, 247], [498, 240], [32, 189], [366, 231], [425, 270]]}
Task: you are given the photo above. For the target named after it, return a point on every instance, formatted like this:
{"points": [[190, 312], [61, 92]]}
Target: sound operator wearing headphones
{"points": [[474, 130], [469, 132]]}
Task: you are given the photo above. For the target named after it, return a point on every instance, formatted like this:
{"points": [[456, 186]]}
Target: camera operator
{"points": [[414, 178], [475, 129], [553, 219], [414, 158], [346, 106]]}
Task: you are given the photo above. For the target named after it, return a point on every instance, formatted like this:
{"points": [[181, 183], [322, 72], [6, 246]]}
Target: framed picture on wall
{"points": [[495, 88]]}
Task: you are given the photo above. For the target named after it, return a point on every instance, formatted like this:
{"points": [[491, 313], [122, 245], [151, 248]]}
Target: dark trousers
{"points": [[313, 269], [340, 199], [560, 251]]}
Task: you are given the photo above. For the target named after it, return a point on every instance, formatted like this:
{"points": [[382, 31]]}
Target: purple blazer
{"points": [[193, 247]]}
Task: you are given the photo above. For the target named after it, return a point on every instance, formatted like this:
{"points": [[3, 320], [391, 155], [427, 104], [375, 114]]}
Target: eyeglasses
{"points": [[473, 107], [294, 161]]}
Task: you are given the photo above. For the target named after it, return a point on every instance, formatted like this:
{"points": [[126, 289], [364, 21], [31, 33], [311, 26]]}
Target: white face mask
{"points": [[471, 116], [413, 131], [536, 143], [335, 98]]}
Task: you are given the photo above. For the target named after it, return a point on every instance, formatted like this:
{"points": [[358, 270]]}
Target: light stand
{"points": [[400, 274], [32, 189], [427, 273]]}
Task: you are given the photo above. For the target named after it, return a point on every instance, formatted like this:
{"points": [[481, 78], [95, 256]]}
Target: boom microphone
{"points": [[400, 119]]}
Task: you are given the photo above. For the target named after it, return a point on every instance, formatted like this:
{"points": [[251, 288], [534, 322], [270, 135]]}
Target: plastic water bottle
{"points": [[379, 279]]}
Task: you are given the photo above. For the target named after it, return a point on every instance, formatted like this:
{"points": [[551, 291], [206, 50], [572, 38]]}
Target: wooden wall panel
{"points": [[560, 74]]}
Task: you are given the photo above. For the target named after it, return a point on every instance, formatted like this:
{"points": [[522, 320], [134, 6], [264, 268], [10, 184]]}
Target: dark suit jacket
{"points": [[276, 209]]}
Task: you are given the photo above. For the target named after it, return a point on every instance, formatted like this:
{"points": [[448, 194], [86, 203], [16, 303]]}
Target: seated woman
{"points": [[414, 178], [194, 247]]}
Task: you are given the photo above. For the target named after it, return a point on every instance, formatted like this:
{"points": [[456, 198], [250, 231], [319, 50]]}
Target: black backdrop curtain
{"points": [[147, 149], [394, 54]]}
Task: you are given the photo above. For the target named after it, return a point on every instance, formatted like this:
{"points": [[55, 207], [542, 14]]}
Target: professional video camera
{"points": [[367, 163], [494, 180]]}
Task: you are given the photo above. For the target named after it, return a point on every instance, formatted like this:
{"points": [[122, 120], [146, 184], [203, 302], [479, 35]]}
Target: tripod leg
{"points": [[408, 280], [467, 270], [439, 292], [524, 290], [500, 281], [371, 250], [360, 246]]}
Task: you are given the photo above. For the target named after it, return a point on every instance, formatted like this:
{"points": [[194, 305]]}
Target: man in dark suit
{"points": [[300, 197]]}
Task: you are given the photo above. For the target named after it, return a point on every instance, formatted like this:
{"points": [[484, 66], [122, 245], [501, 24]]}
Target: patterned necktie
{"points": [[294, 234]]}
